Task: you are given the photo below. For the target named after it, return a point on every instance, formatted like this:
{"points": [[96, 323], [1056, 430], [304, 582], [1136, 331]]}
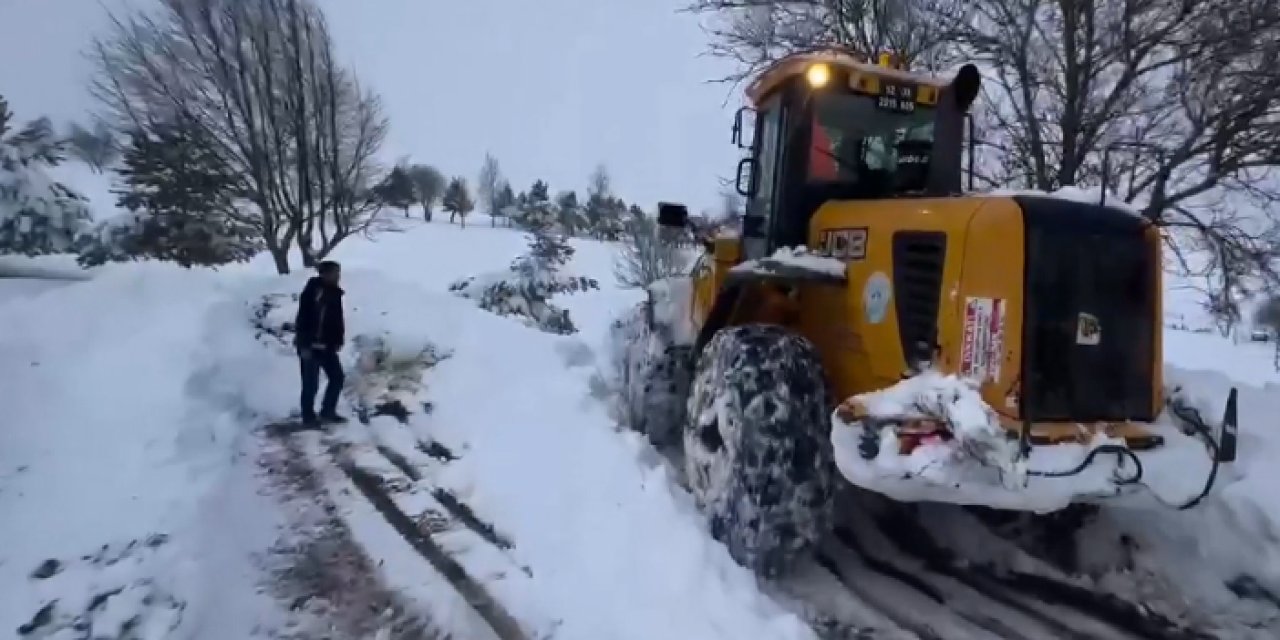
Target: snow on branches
{"points": [[182, 205], [38, 215], [526, 287]]}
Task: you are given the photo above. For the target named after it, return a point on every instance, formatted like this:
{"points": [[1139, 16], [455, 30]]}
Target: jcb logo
{"points": [[1088, 329]]}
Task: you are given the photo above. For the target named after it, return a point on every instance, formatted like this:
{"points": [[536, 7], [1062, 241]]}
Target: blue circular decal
{"points": [[875, 297]]}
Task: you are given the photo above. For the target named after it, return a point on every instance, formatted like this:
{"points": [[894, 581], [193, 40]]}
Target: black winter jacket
{"points": [[319, 321]]}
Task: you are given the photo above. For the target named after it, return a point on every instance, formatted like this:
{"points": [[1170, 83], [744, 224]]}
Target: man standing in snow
{"points": [[318, 338]]}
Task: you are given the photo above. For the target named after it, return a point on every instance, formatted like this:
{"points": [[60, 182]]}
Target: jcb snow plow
{"points": [[873, 320]]}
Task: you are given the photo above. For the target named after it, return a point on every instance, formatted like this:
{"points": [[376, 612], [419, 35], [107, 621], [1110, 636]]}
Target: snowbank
{"points": [[112, 471]]}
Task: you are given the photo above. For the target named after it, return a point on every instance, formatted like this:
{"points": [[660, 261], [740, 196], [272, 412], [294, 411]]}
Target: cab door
{"points": [[762, 204]]}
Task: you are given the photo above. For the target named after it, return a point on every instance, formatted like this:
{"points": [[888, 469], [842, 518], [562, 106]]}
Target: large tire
{"points": [[757, 453]]}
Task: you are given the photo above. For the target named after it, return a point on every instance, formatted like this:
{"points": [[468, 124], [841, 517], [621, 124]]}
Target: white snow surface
{"points": [[131, 401]]}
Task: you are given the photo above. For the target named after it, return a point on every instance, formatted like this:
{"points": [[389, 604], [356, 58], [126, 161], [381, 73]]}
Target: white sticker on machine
{"points": [[875, 297], [982, 346]]}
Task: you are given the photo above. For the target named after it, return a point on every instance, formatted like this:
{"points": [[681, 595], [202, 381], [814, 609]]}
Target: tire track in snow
{"points": [[913, 583], [503, 624], [1056, 601], [466, 552]]}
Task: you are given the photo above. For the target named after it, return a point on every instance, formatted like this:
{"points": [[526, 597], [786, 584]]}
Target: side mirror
{"points": [[673, 215], [746, 180], [965, 87], [741, 126]]}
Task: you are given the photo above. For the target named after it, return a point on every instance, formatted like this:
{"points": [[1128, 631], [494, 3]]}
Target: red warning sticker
{"points": [[982, 344]]}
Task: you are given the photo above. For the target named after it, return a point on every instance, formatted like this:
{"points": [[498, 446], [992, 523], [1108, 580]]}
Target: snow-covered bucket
{"points": [[932, 438]]}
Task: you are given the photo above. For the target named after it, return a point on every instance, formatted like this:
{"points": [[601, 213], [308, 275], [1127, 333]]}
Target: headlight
{"points": [[818, 75]]}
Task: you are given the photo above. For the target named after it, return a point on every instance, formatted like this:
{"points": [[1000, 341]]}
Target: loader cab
{"points": [[827, 126]]}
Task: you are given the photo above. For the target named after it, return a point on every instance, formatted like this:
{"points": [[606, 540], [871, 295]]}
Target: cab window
{"points": [[857, 141]]}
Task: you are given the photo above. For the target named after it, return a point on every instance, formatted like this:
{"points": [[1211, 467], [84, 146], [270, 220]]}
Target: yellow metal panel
{"points": [[927, 95], [985, 310], [863, 352], [709, 275]]}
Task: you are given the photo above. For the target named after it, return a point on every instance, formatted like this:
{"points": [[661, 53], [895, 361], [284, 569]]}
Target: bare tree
{"points": [[260, 79], [1174, 104], [488, 183], [755, 33], [648, 255]]}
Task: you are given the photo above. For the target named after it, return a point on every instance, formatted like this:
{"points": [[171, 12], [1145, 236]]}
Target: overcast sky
{"points": [[550, 87]]}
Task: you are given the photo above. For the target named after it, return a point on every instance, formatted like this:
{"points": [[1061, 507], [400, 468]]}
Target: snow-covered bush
{"points": [[388, 378], [524, 290], [38, 215], [182, 206], [526, 287]]}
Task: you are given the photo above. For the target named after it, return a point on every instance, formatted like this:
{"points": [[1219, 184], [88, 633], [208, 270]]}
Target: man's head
{"points": [[329, 271]]}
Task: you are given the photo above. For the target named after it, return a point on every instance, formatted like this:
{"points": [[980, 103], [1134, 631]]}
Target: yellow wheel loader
{"points": [[873, 323]]}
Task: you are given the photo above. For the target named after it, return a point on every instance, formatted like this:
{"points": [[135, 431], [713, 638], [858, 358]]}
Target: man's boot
{"points": [[332, 418]]}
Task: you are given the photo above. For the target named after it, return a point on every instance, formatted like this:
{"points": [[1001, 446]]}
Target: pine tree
{"points": [[504, 204], [182, 200], [602, 210], [38, 215], [535, 212], [457, 199], [539, 191], [610, 218], [397, 190], [570, 212], [526, 288]]}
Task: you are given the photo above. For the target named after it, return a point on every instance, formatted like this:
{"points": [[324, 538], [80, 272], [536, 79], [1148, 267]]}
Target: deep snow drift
{"points": [[115, 479]]}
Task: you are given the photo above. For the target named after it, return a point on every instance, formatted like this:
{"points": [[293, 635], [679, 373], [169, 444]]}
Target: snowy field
{"points": [[140, 488]]}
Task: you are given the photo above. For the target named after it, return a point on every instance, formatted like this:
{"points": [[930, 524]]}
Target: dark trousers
{"points": [[313, 360]]}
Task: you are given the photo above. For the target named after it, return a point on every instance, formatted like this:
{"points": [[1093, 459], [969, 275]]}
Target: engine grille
{"points": [[918, 259]]}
